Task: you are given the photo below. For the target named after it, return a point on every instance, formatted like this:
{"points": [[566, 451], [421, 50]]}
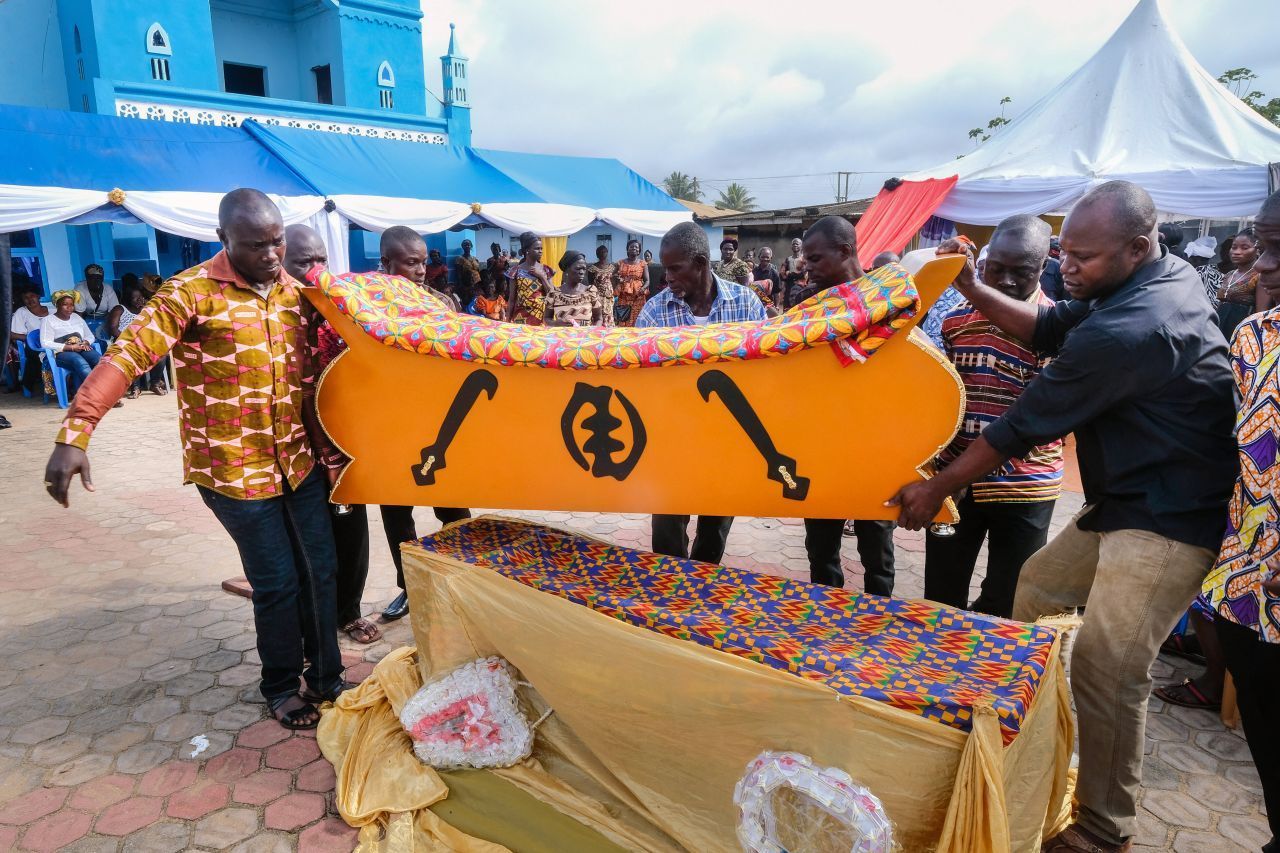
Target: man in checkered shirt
{"points": [[694, 296]]}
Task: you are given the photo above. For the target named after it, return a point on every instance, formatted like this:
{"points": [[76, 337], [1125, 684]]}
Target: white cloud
{"points": [[754, 88]]}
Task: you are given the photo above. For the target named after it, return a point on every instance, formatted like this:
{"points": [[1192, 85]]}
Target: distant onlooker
{"points": [[96, 298], [793, 273], [1201, 250], [117, 321], [25, 321], [1051, 283], [601, 275], [467, 269], [437, 272], [882, 259], [67, 334], [573, 303], [489, 303], [1239, 294], [1171, 236]]}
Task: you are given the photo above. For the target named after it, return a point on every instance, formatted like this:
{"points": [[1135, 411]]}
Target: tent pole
{"points": [[6, 291]]}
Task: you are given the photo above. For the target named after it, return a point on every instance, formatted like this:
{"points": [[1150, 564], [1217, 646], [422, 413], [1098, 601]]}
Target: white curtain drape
{"points": [[651, 223], [546, 220], [195, 215], [33, 207], [333, 230], [378, 213]]}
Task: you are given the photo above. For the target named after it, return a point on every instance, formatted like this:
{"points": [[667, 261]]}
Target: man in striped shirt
{"points": [[1011, 507]]}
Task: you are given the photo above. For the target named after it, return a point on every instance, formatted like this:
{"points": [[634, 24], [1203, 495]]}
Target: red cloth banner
{"points": [[895, 215]]}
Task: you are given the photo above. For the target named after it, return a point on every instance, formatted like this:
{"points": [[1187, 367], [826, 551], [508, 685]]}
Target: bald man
{"points": [[245, 447], [1140, 376]]}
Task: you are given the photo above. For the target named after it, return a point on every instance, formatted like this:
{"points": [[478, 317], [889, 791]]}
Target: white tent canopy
{"points": [[1141, 109]]}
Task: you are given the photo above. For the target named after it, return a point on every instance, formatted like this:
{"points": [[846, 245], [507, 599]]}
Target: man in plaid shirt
{"points": [[695, 296]]}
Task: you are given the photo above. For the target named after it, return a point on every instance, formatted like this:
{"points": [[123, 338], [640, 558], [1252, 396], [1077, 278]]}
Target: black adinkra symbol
{"points": [[602, 423]]}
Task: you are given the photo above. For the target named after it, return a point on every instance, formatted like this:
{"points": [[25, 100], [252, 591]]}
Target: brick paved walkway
{"points": [[129, 719]]}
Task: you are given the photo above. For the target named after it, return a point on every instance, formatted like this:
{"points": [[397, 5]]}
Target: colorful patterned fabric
{"points": [[919, 657], [856, 318], [996, 369], [630, 294], [530, 301], [241, 368], [1251, 544]]}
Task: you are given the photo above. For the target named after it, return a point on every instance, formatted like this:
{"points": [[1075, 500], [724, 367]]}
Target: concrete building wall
{"points": [[261, 41], [32, 71]]}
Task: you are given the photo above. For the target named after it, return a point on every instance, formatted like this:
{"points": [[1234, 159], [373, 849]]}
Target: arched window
{"points": [[75, 32], [158, 41], [386, 77]]}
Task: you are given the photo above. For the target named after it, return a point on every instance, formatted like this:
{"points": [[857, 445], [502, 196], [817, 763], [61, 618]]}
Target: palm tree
{"points": [[680, 185], [736, 197]]}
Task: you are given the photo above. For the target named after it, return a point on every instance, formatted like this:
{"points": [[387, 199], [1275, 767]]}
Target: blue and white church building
{"points": [[336, 66]]}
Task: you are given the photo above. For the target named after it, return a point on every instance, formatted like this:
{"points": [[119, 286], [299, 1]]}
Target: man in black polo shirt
{"points": [[1140, 375]]}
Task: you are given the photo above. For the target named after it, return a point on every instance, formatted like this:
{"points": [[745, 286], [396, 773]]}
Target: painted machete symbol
{"points": [[477, 383], [782, 468]]}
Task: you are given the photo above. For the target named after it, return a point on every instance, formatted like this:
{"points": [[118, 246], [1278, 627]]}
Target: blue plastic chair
{"points": [[61, 376]]}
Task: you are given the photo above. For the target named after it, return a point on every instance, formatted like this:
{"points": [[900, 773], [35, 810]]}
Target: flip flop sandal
{"points": [[293, 719], [357, 627], [311, 696], [1179, 645], [4, 422], [1198, 700]]}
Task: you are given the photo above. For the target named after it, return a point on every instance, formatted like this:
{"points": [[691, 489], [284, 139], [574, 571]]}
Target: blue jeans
{"points": [[78, 364], [286, 548]]}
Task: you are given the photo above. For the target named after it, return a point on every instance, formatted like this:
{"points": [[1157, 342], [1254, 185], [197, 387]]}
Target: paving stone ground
{"points": [[129, 715]]}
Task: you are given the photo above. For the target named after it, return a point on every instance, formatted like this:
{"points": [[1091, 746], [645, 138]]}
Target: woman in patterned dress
{"points": [[574, 303], [633, 286], [1239, 294], [528, 283], [601, 275]]}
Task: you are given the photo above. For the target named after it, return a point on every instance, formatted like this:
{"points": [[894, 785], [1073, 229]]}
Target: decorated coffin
{"points": [[822, 412]]}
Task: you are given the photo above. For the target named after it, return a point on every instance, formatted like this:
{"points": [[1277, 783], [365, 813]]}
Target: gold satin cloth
{"points": [[650, 734]]}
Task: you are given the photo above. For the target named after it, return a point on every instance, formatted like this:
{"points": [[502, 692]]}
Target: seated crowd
{"points": [[1103, 333]]}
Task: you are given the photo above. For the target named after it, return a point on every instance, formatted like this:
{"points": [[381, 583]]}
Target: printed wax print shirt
{"points": [[733, 303], [996, 369], [931, 325], [242, 371], [1251, 545], [1141, 377], [732, 270]]}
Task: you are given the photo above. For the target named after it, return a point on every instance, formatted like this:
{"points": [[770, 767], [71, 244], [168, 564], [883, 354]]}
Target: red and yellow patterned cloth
{"points": [[927, 659], [856, 318], [242, 368]]}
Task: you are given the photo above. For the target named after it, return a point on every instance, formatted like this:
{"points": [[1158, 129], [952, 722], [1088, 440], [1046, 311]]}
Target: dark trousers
{"points": [[397, 523], [157, 374], [1255, 668], [78, 364], [1014, 531], [286, 548], [823, 538], [671, 537]]}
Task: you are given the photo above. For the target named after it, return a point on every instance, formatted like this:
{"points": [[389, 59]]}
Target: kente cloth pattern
{"points": [[1233, 589], [242, 371], [920, 657], [856, 318]]}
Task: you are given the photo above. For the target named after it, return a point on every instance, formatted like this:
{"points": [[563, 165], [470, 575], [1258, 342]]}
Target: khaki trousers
{"points": [[1135, 586]]}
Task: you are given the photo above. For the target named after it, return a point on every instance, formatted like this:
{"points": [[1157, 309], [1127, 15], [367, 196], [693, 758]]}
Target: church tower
{"points": [[457, 105]]}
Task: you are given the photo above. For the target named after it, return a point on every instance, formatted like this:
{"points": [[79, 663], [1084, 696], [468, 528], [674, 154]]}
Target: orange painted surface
{"points": [[844, 439]]}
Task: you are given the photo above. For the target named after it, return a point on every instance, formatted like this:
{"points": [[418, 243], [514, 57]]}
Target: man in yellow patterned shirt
{"points": [[236, 333]]}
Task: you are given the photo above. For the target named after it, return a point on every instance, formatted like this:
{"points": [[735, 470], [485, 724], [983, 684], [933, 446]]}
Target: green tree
{"points": [[982, 134], [736, 197], [679, 185], [1240, 82]]}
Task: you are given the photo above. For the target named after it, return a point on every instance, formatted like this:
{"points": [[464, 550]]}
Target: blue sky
{"points": [[768, 91]]}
